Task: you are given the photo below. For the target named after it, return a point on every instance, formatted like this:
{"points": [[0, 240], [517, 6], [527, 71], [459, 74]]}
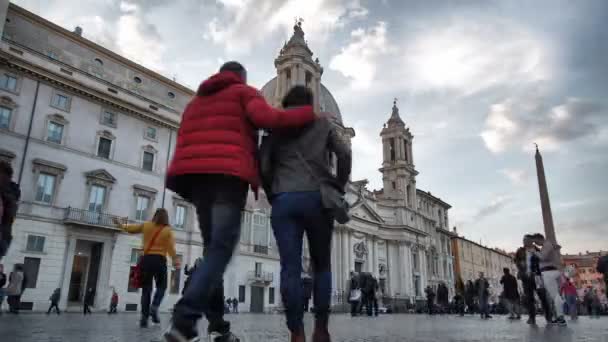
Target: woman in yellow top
{"points": [[158, 242]]}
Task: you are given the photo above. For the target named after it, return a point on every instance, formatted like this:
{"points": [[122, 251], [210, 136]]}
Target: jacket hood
{"points": [[217, 82]]}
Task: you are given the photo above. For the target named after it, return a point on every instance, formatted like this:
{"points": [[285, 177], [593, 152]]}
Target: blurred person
{"points": [[55, 297], [511, 294], [549, 263]]}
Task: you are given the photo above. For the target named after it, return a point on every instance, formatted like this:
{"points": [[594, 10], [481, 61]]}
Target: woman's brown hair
{"points": [[161, 217]]}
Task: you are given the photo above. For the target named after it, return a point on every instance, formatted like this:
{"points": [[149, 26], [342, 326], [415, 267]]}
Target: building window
{"points": [[308, 79], [141, 210], [61, 101], [5, 117], [98, 62], [108, 118], [31, 266], [35, 243], [171, 95], [394, 184], [417, 285], [45, 188], [151, 133], [180, 217], [258, 269], [288, 76], [358, 266], [54, 132], [392, 149], [260, 233], [271, 295], [8, 82], [175, 278], [137, 80], [241, 294], [135, 255], [97, 198], [104, 147], [148, 161], [415, 263]]}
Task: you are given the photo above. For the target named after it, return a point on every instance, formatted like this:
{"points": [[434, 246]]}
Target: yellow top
{"points": [[163, 245]]}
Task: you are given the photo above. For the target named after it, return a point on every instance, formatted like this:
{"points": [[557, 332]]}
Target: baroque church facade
{"points": [[399, 233]]}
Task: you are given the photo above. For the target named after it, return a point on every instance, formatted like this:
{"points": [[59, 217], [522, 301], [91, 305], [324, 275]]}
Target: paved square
{"points": [[271, 328]]}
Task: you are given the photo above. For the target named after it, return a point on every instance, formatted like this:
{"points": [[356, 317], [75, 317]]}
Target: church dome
{"points": [[327, 103]]}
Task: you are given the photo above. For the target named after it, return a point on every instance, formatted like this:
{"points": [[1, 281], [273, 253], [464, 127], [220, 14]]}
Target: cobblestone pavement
{"points": [[271, 328]]}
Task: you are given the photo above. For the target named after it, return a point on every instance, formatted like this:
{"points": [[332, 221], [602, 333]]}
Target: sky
{"points": [[477, 83]]}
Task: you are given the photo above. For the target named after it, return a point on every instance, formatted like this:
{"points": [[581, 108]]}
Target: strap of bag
{"points": [[308, 168], [153, 240]]}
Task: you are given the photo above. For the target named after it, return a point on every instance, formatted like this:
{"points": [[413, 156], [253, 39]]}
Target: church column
{"points": [[344, 256], [374, 257], [294, 76], [410, 153]]}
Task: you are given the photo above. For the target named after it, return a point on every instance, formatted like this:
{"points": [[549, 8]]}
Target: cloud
{"points": [[495, 205], [516, 176], [471, 55], [522, 122], [241, 24], [359, 59], [368, 151]]}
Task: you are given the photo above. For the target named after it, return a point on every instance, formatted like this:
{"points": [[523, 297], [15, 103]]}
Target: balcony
{"points": [[260, 277], [260, 249], [91, 219]]}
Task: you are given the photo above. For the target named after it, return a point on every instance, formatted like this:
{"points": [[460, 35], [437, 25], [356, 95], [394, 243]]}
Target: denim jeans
{"points": [[219, 201], [154, 270], [294, 213]]}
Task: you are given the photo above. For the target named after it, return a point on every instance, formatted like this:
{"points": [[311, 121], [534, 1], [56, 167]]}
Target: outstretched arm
{"points": [[262, 115]]}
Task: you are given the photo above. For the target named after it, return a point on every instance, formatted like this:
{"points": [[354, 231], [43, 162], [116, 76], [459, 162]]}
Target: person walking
{"points": [[55, 297], [89, 300], [460, 296], [235, 305], [213, 166], [568, 290], [3, 280], [549, 263], [158, 242], [16, 285], [296, 176], [10, 193], [528, 270], [483, 292], [470, 295], [430, 299], [511, 294], [113, 302], [443, 297]]}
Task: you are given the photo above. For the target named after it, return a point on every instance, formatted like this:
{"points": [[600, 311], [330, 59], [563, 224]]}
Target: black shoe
{"points": [[227, 337], [561, 322], [154, 315], [143, 323], [174, 334], [531, 321]]}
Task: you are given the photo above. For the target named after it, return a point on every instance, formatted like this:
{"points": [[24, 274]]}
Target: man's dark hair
{"points": [[506, 270], [298, 96], [538, 236], [235, 67], [6, 168]]}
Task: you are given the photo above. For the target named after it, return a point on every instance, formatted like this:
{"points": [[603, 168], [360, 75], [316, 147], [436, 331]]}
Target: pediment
{"points": [[366, 212], [100, 175]]}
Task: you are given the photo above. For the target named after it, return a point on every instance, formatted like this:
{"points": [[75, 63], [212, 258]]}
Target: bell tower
{"points": [[295, 66], [398, 172]]}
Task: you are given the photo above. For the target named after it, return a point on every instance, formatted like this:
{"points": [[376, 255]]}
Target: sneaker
{"points": [[561, 322], [227, 337], [154, 315], [175, 335]]}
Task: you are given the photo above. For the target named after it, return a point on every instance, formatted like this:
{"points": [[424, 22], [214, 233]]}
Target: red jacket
{"points": [[217, 134]]}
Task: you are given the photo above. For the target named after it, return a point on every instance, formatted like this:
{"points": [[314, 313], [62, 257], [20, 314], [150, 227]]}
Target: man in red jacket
{"points": [[213, 167]]}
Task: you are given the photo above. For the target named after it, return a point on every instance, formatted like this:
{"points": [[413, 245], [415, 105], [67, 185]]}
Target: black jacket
{"points": [[2, 280], [509, 284]]}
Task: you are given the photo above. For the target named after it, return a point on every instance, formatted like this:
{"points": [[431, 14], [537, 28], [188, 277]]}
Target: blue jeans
{"points": [[219, 201], [294, 213]]}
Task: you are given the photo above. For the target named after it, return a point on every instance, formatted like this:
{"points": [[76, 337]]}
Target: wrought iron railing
{"points": [[87, 217], [264, 277]]}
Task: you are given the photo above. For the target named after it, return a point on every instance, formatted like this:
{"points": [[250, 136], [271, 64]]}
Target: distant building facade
{"points": [[471, 258], [585, 272]]}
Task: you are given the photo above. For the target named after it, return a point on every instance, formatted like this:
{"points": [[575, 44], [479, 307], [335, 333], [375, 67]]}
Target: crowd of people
{"points": [[363, 292]]}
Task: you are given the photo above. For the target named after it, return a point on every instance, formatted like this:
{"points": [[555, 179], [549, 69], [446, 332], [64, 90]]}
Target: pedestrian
{"points": [[235, 305], [158, 242], [528, 270], [10, 194], [368, 293], [596, 305], [3, 280], [55, 297], [307, 290], [568, 290], [113, 302], [443, 297], [470, 295], [16, 285], [511, 294], [459, 298], [298, 181], [354, 294], [213, 166], [89, 300], [430, 299], [549, 263], [482, 286], [602, 268]]}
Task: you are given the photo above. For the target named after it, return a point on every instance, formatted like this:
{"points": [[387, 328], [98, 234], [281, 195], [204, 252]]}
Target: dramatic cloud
{"points": [[522, 123], [244, 23], [358, 60]]}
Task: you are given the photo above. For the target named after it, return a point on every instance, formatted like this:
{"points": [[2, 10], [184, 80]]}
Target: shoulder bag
{"points": [[136, 277]]}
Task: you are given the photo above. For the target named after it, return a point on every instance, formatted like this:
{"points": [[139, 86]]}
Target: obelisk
{"points": [[544, 199]]}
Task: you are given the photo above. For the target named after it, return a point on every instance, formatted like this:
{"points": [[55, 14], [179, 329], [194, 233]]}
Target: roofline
{"points": [[484, 247], [83, 41], [437, 199]]}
